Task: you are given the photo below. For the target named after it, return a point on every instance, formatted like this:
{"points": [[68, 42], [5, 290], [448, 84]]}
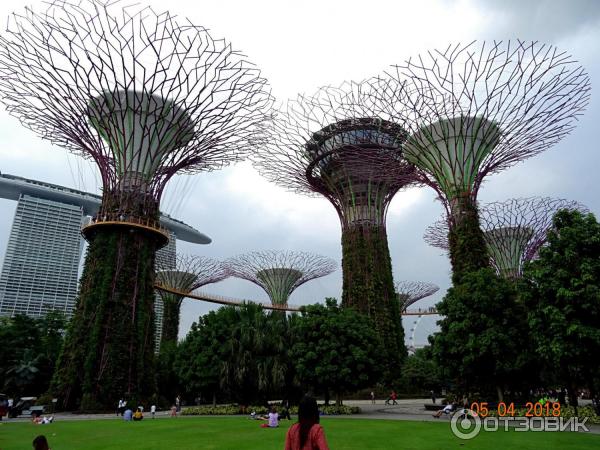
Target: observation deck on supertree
{"points": [[144, 96], [410, 292], [190, 273], [477, 109], [514, 230], [279, 273], [334, 143]]}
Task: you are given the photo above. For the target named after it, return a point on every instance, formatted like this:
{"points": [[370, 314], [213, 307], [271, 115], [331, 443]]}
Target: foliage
{"points": [[222, 410], [29, 351], [368, 287], [109, 347], [335, 349], [563, 299], [483, 339], [239, 353], [420, 372], [167, 381], [466, 243], [171, 312]]}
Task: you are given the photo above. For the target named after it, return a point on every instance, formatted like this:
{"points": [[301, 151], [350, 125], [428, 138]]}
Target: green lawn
{"points": [[241, 433]]}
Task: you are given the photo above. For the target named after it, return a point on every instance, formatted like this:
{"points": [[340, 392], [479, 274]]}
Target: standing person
{"points": [[178, 403], [307, 434], [173, 411], [285, 411], [40, 443], [372, 397], [432, 396], [153, 410], [393, 396]]}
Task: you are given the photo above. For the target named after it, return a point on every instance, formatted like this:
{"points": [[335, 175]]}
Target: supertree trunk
{"points": [[172, 306], [368, 287], [468, 251], [109, 348]]}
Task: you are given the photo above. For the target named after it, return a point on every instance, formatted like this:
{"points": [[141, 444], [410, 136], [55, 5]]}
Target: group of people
{"points": [[128, 414], [38, 419]]}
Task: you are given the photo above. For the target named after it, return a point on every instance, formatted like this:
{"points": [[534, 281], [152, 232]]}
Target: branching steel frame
{"points": [[187, 274], [279, 273], [514, 230], [411, 292]]}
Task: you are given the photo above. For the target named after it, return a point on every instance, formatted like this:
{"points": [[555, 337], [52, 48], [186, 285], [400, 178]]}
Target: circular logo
{"points": [[465, 424]]}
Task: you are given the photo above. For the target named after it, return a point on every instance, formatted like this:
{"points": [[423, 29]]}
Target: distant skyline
{"points": [[300, 47]]}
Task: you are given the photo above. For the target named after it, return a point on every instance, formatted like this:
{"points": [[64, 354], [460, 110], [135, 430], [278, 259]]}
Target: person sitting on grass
{"points": [[128, 414], [307, 434], [273, 419], [445, 410], [40, 443], [138, 415]]}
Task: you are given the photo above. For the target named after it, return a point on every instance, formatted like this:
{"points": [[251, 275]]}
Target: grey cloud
{"points": [[547, 20]]}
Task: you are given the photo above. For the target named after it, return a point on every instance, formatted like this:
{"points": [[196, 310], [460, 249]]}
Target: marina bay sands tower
{"points": [[41, 264]]}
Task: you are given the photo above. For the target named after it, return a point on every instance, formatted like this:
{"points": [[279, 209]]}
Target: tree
{"points": [[563, 299], [200, 355], [420, 372], [238, 352], [336, 349], [483, 339], [29, 351]]}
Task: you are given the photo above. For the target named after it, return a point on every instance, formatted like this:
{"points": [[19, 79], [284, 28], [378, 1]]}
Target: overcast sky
{"points": [[301, 46]]}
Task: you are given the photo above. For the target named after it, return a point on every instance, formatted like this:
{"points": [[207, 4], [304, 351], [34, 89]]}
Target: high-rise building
{"points": [[41, 265], [168, 257]]}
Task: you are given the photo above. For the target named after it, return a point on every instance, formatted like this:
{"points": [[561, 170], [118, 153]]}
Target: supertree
{"points": [[144, 96], [190, 273], [279, 273], [513, 230], [335, 144], [477, 109], [410, 292]]}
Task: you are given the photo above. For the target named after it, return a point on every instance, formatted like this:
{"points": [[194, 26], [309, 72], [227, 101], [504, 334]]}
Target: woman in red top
{"points": [[307, 434]]}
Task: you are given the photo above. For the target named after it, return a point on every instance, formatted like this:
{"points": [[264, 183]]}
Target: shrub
{"points": [[221, 410]]}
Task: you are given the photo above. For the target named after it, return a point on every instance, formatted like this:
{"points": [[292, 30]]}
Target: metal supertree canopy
{"points": [[190, 273], [481, 107], [141, 93], [410, 292], [335, 144], [514, 230], [176, 279], [279, 273]]}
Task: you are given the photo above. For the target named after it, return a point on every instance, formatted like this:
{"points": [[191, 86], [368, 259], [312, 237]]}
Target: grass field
{"points": [[241, 433]]}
